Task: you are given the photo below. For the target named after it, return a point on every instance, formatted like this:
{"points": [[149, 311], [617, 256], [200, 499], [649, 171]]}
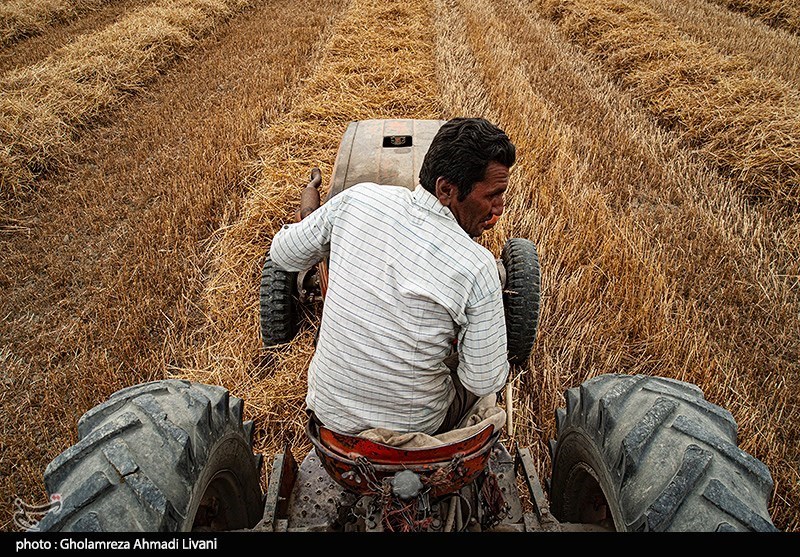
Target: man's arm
{"points": [[299, 246], [482, 346]]}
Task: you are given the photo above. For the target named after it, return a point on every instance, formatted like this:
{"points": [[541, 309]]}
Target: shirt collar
{"points": [[427, 200]]}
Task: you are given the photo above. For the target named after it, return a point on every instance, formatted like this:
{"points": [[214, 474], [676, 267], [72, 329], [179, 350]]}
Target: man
{"points": [[407, 282]]}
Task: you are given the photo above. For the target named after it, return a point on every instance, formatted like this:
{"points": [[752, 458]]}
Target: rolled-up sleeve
{"points": [[299, 246], [482, 346]]}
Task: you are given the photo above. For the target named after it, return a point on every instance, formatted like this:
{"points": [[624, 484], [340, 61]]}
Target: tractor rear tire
{"points": [[164, 456], [279, 305], [521, 297], [640, 453]]}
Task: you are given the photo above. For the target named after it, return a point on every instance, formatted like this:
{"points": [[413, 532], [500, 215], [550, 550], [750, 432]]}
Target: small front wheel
{"points": [[279, 305], [521, 295]]}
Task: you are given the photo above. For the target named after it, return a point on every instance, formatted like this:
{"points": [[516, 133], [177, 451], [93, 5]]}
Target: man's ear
{"points": [[445, 191]]}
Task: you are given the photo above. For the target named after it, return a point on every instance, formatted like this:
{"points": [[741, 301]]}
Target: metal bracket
{"points": [[281, 482], [501, 269], [308, 287]]}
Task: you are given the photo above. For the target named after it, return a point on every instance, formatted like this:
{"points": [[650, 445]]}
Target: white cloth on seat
{"points": [[485, 412]]}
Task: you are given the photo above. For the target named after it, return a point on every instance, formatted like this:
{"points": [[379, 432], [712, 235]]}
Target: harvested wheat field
{"points": [[147, 160]]}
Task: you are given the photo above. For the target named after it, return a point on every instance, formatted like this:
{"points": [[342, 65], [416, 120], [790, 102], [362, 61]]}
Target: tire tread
{"points": [[138, 462], [521, 297], [670, 457], [277, 312]]}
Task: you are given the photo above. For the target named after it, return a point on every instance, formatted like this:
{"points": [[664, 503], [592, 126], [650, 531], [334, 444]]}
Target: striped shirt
{"points": [[405, 281]]}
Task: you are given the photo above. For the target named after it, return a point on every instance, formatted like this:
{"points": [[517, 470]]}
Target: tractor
{"points": [[631, 453]]}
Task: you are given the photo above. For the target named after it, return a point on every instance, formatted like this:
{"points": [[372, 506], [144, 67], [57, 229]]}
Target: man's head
{"points": [[466, 168]]}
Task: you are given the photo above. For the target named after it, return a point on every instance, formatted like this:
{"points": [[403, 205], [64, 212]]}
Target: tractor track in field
{"points": [[29, 50], [770, 50]]}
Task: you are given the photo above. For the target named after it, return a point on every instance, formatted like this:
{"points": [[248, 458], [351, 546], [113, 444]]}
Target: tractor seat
{"points": [[361, 465]]}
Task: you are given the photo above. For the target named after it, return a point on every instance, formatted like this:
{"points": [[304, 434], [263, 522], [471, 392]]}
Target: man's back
{"points": [[405, 281]]}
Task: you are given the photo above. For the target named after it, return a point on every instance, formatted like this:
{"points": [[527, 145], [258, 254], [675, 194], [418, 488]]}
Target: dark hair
{"points": [[460, 152]]}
